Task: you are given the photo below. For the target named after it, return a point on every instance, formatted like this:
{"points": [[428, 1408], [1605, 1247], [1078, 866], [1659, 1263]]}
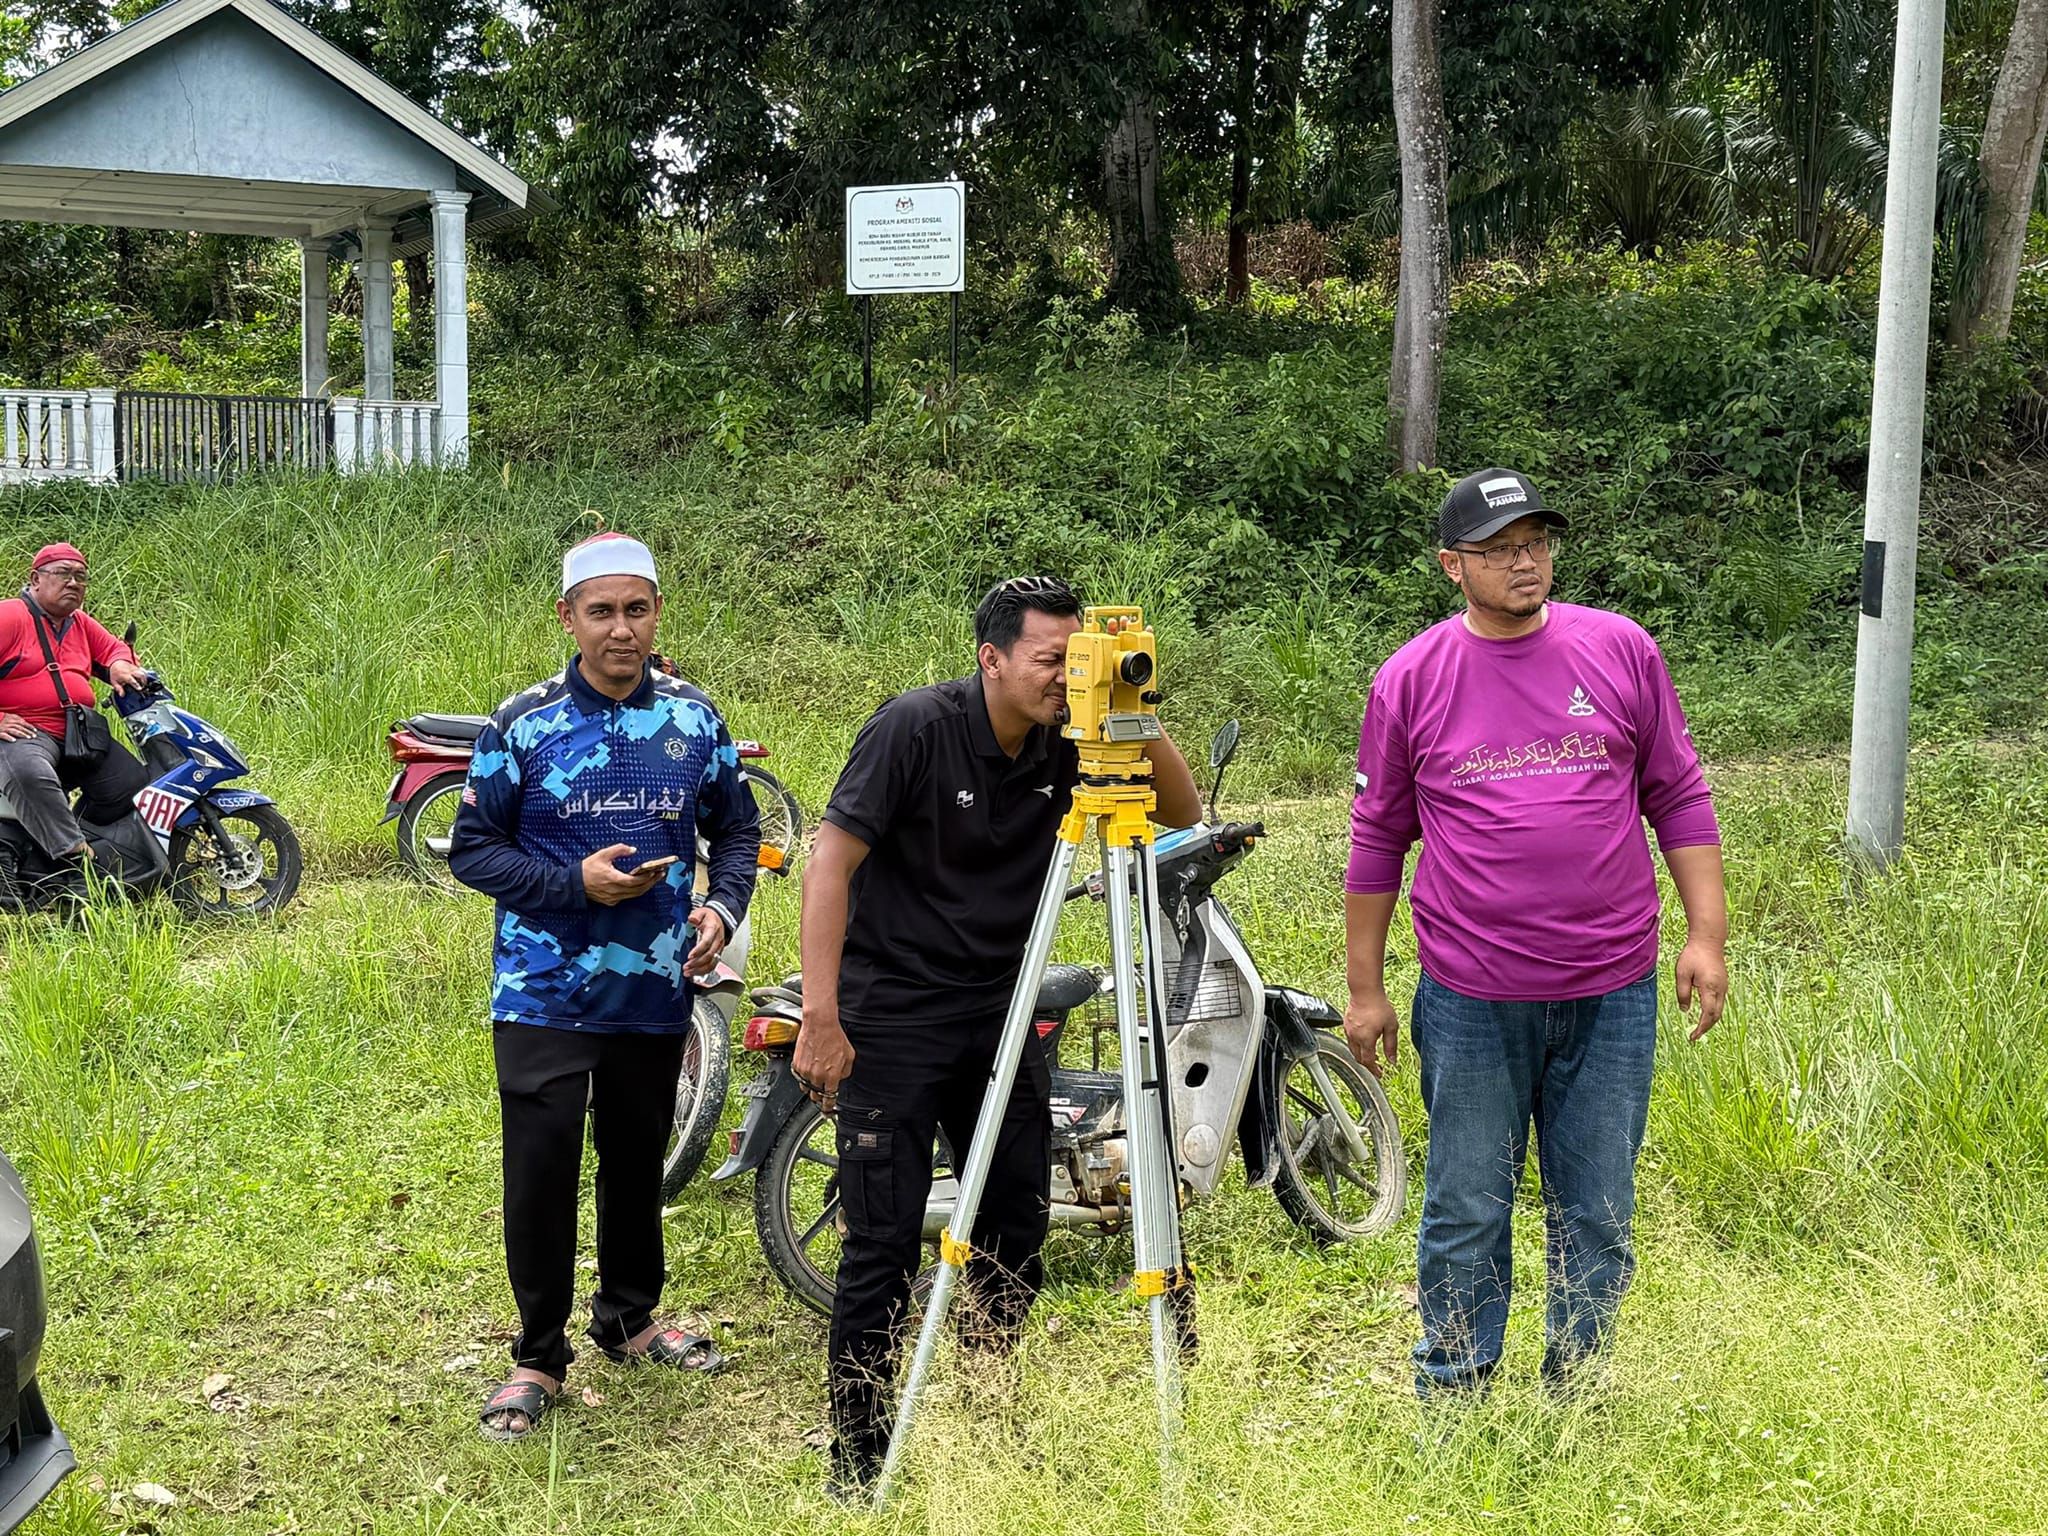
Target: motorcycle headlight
{"points": [[221, 739]]}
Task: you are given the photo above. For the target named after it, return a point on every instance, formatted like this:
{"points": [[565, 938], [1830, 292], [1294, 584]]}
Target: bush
{"points": [[1702, 420]]}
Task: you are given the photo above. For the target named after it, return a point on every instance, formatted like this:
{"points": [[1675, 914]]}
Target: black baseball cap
{"points": [[1482, 504]]}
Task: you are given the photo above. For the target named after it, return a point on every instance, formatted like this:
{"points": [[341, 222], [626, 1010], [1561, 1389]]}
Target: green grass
{"points": [[306, 614], [273, 1153]]}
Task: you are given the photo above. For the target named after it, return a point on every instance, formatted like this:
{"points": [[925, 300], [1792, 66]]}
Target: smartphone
{"points": [[652, 865]]}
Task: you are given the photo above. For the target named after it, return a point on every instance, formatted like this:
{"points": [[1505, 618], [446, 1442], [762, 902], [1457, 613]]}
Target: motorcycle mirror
{"points": [[1222, 748], [128, 635]]}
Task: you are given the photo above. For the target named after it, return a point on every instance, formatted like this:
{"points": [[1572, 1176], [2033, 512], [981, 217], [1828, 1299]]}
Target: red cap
{"points": [[50, 554]]}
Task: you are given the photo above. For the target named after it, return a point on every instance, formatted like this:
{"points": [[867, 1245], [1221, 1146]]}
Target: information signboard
{"points": [[907, 239]]}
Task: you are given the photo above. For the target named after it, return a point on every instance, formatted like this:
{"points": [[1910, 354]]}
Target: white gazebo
{"points": [[230, 117]]}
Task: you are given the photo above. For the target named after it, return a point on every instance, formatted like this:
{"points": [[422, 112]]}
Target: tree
{"points": [[627, 106], [1653, 170], [17, 42], [1423, 309], [1827, 73], [1145, 275], [1272, 51], [1517, 75], [2009, 169], [1237, 284], [53, 279]]}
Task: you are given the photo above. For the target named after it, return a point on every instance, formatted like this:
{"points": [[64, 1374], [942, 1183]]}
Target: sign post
{"points": [[910, 238], [867, 359]]}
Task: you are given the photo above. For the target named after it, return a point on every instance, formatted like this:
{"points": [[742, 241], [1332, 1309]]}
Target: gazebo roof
{"points": [[232, 117]]}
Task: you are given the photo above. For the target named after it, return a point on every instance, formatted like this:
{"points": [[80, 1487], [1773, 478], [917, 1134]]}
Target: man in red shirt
{"points": [[32, 774]]}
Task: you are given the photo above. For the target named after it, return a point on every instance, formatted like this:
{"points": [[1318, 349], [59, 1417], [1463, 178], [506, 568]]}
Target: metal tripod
{"points": [[1121, 811]]}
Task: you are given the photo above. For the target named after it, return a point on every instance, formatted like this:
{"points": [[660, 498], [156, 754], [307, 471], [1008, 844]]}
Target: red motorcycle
{"points": [[433, 751]]}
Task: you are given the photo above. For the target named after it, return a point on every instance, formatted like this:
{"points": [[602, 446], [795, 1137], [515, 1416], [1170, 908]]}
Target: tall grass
{"points": [[304, 615], [273, 1154]]}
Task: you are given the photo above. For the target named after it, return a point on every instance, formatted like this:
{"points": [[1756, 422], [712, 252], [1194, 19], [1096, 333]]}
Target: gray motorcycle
{"points": [[1258, 1068]]}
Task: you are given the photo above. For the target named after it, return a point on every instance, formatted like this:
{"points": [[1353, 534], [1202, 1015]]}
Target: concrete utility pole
{"points": [[1891, 515]]}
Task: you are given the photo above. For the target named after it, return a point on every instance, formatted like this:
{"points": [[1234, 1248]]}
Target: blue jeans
{"points": [[1581, 1070]]}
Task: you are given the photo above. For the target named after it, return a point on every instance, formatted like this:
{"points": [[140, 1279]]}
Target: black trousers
{"points": [[40, 783], [908, 1082], [107, 789], [547, 1078]]}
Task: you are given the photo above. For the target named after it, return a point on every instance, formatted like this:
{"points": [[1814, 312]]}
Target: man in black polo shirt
{"points": [[918, 897]]}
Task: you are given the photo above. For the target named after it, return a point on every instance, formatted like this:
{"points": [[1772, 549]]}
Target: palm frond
{"points": [[1652, 171], [1852, 166], [1506, 207]]}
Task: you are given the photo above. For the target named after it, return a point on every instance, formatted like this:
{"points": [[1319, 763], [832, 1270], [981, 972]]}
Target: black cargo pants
{"points": [[908, 1082]]}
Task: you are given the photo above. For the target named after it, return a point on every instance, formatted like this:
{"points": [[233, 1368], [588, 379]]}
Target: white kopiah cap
{"points": [[607, 554]]}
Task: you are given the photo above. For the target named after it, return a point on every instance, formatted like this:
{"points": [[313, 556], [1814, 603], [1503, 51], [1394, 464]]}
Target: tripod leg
{"points": [[1180, 1295], [953, 1247], [1154, 1183]]}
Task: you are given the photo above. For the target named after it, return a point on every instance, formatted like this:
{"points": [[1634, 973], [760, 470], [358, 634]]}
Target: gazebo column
{"points": [[451, 325], [313, 258], [376, 243]]}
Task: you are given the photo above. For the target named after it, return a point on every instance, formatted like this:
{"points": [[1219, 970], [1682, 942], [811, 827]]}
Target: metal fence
{"points": [[177, 437]]}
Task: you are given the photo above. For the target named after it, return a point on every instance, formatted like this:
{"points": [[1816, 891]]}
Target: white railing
{"points": [[385, 434], [56, 435], [75, 435]]}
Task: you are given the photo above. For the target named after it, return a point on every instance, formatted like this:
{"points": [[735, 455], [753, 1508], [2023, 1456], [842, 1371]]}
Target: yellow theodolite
{"points": [[1112, 712]]}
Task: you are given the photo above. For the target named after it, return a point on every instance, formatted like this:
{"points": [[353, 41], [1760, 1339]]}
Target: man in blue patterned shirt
{"points": [[586, 798]]}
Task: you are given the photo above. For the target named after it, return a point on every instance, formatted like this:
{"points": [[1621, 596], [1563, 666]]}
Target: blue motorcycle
{"points": [[218, 851]]}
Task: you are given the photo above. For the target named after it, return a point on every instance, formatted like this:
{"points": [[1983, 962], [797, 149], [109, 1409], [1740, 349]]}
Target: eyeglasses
{"points": [[66, 575], [1501, 557]]}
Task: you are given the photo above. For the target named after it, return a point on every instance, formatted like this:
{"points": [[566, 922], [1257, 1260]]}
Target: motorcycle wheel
{"points": [[796, 1207], [782, 820], [1318, 1182], [797, 1212], [700, 1098], [255, 876], [424, 827]]}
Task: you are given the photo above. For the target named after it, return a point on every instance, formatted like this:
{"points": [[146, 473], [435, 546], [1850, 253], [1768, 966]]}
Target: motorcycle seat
{"points": [[461, 729], [1065, 988]]}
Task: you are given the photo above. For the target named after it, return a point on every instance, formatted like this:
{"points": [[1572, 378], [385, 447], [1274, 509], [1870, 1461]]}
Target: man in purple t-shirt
{"points": [[1526, 742]]}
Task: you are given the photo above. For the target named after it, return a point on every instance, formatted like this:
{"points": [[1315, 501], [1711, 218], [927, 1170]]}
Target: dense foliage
{"points": [[1703, 422], [696, 125]]}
